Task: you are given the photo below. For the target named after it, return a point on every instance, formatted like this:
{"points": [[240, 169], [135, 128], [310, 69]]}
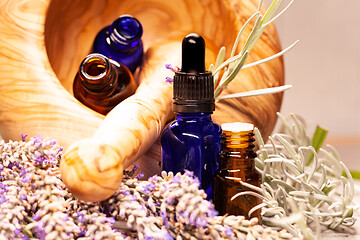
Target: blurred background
{"points": [[324, 69]]}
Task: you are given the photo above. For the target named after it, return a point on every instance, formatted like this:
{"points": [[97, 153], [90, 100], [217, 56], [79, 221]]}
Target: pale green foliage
{"points": [[232, 66], [296, 193]]}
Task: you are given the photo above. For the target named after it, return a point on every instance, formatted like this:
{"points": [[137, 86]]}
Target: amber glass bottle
{"points": [[102, 83], [236, 162]]}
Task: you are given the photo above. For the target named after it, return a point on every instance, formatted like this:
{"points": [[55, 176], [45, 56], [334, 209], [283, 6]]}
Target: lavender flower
{"points": [[23, 137], [34, 203], [169, 80], [173, 69]]}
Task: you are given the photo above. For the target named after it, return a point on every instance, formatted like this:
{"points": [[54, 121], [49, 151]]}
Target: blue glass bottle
{"points": [[192, 141], [121, 41]]}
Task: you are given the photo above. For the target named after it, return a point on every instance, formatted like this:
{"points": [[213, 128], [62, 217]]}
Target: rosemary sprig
{"points": [[232, 66]]}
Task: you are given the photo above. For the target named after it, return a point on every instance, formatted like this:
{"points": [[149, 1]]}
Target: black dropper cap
{"points": [[193, 85]]}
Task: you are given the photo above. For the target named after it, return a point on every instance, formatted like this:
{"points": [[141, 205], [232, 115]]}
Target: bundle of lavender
{"points": [[34, 204]]}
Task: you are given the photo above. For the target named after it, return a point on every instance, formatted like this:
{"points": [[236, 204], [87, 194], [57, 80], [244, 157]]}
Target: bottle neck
{"points": [[237, 150], [189, 116], [98, 75], [125, 33]]}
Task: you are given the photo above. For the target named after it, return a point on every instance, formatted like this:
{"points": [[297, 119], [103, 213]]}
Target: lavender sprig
{"points": [[173, 207], [35, 204]]}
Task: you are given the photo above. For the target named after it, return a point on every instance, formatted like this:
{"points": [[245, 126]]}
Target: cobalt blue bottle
{"points": [[192, 141], [121, 41]]}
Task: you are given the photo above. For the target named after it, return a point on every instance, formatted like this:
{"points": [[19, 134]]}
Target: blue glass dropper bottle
{"points": [[121, 41], [192, 141]]}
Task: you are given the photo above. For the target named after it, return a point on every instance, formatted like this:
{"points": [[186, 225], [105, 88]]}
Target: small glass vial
{"points": [[192, 141], [102, 83], [121, 41], [237, 162]]}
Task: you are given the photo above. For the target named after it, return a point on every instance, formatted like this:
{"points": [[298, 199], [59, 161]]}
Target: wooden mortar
{"points": [[43, 43]]}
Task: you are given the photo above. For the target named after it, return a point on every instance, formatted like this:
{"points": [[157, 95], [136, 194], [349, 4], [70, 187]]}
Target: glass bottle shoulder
{"points": [[193, 128]]}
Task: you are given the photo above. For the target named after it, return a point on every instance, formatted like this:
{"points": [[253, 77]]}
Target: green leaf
{"points": [[251, 40], [224, 64], [258, 92], [233, 50], [232, 75], [219, 60], [354, 174], [279, 54], [274, 6], [274, 18], [317, 142]]}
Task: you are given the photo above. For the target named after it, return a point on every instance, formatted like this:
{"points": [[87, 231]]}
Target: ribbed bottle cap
{"points": [[193, 85]]}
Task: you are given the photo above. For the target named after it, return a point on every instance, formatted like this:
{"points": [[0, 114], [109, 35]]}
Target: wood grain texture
{"points": [[32, 100], [259, 110], [125, 134], [43, 43]]}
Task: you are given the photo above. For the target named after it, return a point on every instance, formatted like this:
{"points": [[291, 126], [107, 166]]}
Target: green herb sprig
{"points": [[232, 66], [296, 192]]}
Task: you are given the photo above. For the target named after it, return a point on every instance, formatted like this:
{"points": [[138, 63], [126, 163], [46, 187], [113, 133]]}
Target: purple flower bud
{"points": [[37, 139], [11, 165], [110, 220], [201, 221], [23, 137], [66, 218], [188, 173], [176, 179], [164, 218], [140, 175], [136, 167], [149, 187], [3, 188], [1, 167], [23, 197], [153, 178], [133, 198], [24, 237], [123, 235], [23, 172], [81, 217], [185, 214], [168, 236], [26, 179], [2, 199], [173, 69], [36, 216], [170, 201], [39, 160], [169, 80], [125, 192], [212, 212], [228, 231]]}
